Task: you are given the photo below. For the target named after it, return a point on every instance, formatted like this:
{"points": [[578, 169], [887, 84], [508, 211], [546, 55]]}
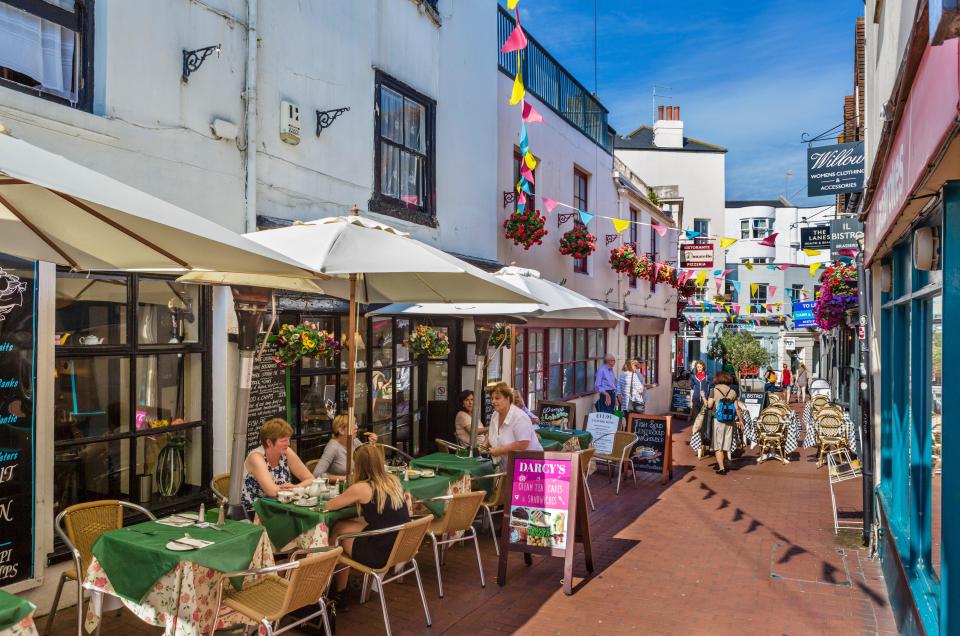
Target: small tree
{"points": [[743, 351], [716, 351]]}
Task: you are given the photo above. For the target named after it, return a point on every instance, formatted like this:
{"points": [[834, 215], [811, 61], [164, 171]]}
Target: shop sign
{"points": [[803, 314], [815, 238], [835, 169], [929, 114], [843, 234], [790, 344], [696, 255]]}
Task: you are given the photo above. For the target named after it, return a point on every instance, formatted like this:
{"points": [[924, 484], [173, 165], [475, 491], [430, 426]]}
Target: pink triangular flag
{"points": [[770, 241], [784, 267], [736, 308], [725, 272], [522, 199], [529, 113], [526, 172], [769, 307], [719, 282], [848, 251], [549, 204], [659, 229], [516, 41], [772, 289]]}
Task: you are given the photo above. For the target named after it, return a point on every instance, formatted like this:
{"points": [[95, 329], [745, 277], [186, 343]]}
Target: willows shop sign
{"points": [[835, 169]]}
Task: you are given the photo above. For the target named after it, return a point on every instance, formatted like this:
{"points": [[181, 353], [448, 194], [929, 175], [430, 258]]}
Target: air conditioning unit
{"points": [[290, 123]]}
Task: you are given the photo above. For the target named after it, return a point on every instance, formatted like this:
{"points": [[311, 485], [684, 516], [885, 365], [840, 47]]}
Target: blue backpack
{"points": [[726, 410]]}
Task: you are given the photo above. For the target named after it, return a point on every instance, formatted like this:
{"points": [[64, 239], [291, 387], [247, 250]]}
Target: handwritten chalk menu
{"points": [[682, 401], [654, 449], [268, 393], [602, 426], [547, 512], [562, 414], [17, 375], [754, 402]]}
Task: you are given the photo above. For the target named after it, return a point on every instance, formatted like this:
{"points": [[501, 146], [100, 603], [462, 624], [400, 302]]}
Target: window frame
{"points": [[634, 232], [639, 348], [755, 299], [388, 205], [525, 370], [81, 22], [757, 228], [581, 200]]}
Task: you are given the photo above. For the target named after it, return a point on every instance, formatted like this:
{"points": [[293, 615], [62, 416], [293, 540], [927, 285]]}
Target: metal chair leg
{"points": [[383, 602], [56, 602], [80, 606], [325, 618], [436, 560], [476, 545], [267, 626], [493, 532], [365, 589], [423, 596], [586, 485], [633, 471], [619, 476]]}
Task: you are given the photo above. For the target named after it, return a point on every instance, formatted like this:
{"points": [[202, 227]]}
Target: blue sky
{"points": [[749, 75]]}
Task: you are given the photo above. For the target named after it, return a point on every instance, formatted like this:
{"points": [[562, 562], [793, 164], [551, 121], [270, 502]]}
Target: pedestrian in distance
{"points": [[785, 382], [605, 383], [770, 380], [630, 388], [726, 415], [803, 379], [701, 384]]}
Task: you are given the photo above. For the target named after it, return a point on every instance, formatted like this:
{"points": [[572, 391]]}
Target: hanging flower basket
{"points": [[525, 228], [303, 340], [645, 269], [687, 290], [430, 342], [500, 336], [623, 259], [578, 242], [837, 295]]}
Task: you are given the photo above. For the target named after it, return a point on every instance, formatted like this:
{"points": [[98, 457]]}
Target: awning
{"points": [[646, 326]]}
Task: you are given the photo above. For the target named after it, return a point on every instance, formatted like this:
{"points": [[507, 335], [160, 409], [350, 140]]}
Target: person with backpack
{"points": [[726, 415], [770, 380]]}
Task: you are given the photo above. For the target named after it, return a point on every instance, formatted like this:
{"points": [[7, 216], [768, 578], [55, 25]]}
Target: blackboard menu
{"points": [[487, 408], [653, 452], [754, 401], [682, 401], [17, 316], [268, 393], [561, 414]]}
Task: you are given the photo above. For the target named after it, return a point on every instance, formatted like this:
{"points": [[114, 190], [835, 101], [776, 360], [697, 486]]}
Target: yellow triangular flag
{"points": [[748, 265], [726, 242], [619, 225], [530, 160], [746, 310], [701, 278], [518, 91], [753, 289], [813, 269], [512, 4], [809, 251]]}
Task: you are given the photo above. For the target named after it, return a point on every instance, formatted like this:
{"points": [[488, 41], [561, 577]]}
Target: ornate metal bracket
{"points": [[325, 118], [563, 218], [610, 238], [510, 196], [192, 60]]}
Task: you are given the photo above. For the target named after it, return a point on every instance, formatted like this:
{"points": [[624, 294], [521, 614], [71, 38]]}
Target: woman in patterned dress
{"points": [[271, 467]]}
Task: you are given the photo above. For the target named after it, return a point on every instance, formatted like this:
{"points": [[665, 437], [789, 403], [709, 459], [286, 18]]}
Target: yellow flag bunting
{"points": [[809, 251], [530, 160], [813, 270], [726, 242], [619, 225]]}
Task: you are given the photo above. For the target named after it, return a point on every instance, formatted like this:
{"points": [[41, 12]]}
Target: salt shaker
{"points": [[202, 515], [222, 514]]}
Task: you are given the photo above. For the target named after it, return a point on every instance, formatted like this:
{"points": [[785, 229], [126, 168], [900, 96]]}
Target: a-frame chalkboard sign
{"points": [[545, 511]]}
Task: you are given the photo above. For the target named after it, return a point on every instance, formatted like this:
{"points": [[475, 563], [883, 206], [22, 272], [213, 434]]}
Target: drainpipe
{"points": [[250, 193], [865, 283]]}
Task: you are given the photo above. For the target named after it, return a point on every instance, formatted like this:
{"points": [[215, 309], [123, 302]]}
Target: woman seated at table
{"points": [[510, 428], [272, 466], [464, 420], [379, 496], [518, 402], [333, 462]]}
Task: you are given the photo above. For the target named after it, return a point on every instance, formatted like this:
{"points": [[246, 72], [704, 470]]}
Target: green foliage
{"points": [[744, 351], [716, 351]]}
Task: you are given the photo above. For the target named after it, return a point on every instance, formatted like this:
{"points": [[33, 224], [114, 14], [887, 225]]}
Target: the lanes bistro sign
{"points": [[835, 169]]}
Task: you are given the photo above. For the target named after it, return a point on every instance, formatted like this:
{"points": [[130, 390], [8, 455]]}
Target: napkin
{"points": [[197, 543], [176, 521]]}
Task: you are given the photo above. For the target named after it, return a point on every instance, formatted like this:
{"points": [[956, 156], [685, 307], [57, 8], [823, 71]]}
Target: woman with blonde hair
{"points": [[802, 380], [271, 467], [630, 387], [333, 462], [378, 496]]}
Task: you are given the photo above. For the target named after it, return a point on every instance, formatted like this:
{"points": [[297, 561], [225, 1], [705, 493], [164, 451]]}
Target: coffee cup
{"points": [[285, 496]]}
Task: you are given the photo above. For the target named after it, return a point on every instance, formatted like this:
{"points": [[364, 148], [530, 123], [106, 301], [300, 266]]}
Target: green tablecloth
{"points": [[426, 487], [284, 522], [133, 560], [448, 464], [551, 444], [563, 434], [13, 609]]}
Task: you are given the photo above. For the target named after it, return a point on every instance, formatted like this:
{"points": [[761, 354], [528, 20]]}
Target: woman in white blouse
{"points": [[510, 428]]}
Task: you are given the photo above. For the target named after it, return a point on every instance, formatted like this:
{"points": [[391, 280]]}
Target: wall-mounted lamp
{"points": [[325, 118], [193, 59]]}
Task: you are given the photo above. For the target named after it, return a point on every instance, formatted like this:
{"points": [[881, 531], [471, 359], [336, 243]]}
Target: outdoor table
{"points": [[16, 616], [572, 440], [447, 464], [749, 434], [850, 431], [551, 445], [176, 590]]}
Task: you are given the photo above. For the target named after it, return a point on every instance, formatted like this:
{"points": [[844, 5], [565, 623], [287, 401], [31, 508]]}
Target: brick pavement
{"points": [[752, 552]]}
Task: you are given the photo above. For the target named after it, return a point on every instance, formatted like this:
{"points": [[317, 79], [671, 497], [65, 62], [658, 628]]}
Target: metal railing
{"points": [[554, 85]]}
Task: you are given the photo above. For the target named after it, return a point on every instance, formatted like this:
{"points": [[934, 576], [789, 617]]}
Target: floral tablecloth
{"points": [[183, 600], [16, 616]]}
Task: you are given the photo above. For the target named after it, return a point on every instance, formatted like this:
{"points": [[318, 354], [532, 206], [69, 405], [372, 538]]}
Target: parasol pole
{"points": [[351, 366]]}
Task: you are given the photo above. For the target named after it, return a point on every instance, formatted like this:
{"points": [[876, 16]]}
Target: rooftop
{"points": [[642, 139], [767, 203]]}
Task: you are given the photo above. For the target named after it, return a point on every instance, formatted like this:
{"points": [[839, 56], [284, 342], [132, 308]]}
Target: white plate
{"points": [[179, 547], [309, 502]]}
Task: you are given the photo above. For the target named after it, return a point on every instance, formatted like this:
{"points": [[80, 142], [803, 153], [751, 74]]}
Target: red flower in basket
{"points": [[525, 228], [578, 242]]}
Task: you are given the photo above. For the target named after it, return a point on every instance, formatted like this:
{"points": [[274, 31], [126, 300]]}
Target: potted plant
{"points": [[500, 337], [837, 296], [623, 259], [526, 228], [429, 342], [303, 340], [578, 242]]}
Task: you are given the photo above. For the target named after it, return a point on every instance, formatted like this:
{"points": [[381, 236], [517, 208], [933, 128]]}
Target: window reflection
{"points": [[91, 397], [90, 472], [91, 309], [167, 311], [168, 390], [936, 429]]}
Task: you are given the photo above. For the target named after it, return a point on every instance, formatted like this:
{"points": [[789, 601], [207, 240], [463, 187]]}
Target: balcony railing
{"points": [[554, 86]]}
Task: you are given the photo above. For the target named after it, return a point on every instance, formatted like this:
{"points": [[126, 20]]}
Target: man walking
{"points": [[605, 383]]}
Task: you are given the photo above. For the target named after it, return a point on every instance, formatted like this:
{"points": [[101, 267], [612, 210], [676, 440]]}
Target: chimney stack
{"points": [[660, 112], [668, 130]]}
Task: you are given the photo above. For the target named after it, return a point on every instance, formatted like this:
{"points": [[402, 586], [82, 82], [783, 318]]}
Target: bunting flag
{"points": [[753, 288], [516, 96], [585, 217], [784, 267], [530, 114], [771, 267], [619, 225], [691, 234], [746, 309], [736, 285], [701, 278], [524, 186], [809, 251], [726, 271], [517, 39], [656, 269], [736, 308], [526, 173], [522, 198], [813, 270], [804, 295], [772, 290], [726, 242], [769, 307], [717, 272], [512, 4], [530, 160], [524, 140], [848, 251], [659, 229], [748, 265], [548, 204], [770, 241], [684, 276], [521, 206], [719, 283]]}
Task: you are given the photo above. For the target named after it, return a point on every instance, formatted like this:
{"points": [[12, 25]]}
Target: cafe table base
{"points": [[182, 600]]}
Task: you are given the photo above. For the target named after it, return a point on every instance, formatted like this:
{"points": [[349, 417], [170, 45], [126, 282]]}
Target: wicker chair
{"points": [[493, 502], [444, 446], [220, 485], [272, 597], [830, 409], [79, 526], [402, 557], [817, 403], [771, 436], [830, 434], [312, 464], [623, 443], [586, 455], [460, 512]]}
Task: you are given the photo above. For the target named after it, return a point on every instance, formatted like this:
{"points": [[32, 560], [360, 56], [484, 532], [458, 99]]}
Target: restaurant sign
{"points": [[835, 169], [815, 238], [696, 255], [843, 234]]}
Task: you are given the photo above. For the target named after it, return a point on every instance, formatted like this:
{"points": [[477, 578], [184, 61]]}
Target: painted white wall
{"points": [[787, 249]]}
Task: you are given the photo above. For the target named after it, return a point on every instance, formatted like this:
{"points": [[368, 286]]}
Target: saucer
{"points": [[309, 502]]}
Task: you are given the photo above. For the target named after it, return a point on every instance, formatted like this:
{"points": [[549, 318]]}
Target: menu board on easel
{"points": [[546, 511], [562, 414], [654, 450], [17, 424], [268, 392]]}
